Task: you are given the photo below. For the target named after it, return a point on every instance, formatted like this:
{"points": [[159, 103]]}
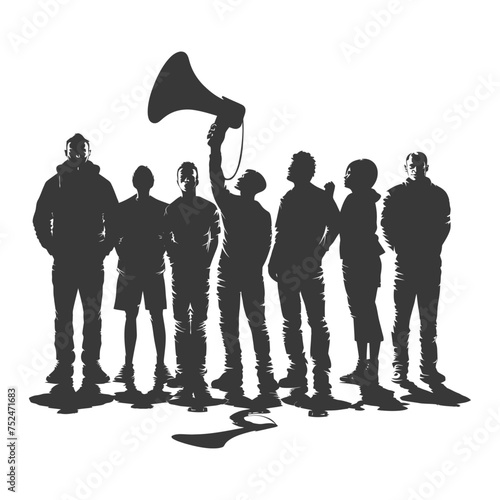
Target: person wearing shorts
{"points": [[138, 232]]}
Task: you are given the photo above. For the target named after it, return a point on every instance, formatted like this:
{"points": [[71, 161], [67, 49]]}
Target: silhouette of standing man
{"points": [[416, 222], [191, 238], [138, 229], [77, 202], [247, 241], [301, 243]]}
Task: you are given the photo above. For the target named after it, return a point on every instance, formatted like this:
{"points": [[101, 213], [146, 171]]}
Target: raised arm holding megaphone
{"points": [[177, 88]]}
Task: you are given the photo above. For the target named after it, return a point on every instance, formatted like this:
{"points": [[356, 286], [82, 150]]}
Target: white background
{"points": [[74, 70]]}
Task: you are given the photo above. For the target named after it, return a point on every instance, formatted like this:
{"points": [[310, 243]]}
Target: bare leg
{"points": [[158, 324], [130, 334]]}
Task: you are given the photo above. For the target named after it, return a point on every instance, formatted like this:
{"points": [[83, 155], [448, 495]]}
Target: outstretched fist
{"points": [[216, 135], [330, 188]]}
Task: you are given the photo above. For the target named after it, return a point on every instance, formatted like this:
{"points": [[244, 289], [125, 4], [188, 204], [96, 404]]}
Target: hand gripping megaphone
{"points": [[177, 88]]}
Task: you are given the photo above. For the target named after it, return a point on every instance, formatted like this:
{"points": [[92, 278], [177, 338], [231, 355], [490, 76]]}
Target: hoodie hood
{"points": [[374, 195], [369, 193], [87, 167], [66, 169]]}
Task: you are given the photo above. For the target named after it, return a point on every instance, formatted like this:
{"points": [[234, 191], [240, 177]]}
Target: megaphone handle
{"points": [[241, 151]]}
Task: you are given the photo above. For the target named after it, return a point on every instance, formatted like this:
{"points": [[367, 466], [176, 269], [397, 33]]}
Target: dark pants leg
{"points": [[313, 293], [180, 306], [199, 307], [428, 298], [253, 303], [361, 280], [90, 285], [65, 283], [404, 299], [229, 303], [190, 306], [292, 334]]}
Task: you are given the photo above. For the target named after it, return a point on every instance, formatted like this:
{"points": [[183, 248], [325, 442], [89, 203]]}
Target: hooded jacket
{"points": [[72, 211], [358, 226]]}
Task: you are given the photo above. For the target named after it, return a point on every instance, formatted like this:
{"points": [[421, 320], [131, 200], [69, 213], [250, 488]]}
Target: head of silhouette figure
{"points": [[360, 174], [187, 177], [416, 166], [77, 150], [251, 183], [143, 180], [302, 168]]}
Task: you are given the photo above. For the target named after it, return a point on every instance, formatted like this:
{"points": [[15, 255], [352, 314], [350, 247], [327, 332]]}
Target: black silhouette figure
{"points": [[137, 228], [360, 252], [247, 241], [70, 222], [416, 222], [301, 243], [191, 238], [219, 439]]}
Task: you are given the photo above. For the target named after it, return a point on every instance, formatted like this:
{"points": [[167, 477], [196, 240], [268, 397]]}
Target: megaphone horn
{"points": [[177, 88]]}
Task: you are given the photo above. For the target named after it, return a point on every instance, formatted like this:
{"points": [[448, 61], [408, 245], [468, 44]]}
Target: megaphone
{"points": [[177, 88]]}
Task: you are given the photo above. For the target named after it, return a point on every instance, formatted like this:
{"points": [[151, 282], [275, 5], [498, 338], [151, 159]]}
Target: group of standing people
{"points": [[78, 220]]}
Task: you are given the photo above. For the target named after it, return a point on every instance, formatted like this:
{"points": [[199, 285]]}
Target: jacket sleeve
{"points": [[277, 251], [389, 220], [217, 180], [263, 249], [332, 224], [169, 245], [42, 220], [443, 217], [110, 207], [213, 235], [114, 229]]}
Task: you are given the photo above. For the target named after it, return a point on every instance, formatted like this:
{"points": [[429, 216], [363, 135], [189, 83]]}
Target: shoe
{"points": [[227, 381], [183, 398], [63, 390], [236, 397], [266, 400], [432, 377], [175, 382], [126, 374], [325, 401], [293, 379], [162, 374], [94, 373], [61, 374], [356, 377], [202, 397], [297, 397], [267, 382]]}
